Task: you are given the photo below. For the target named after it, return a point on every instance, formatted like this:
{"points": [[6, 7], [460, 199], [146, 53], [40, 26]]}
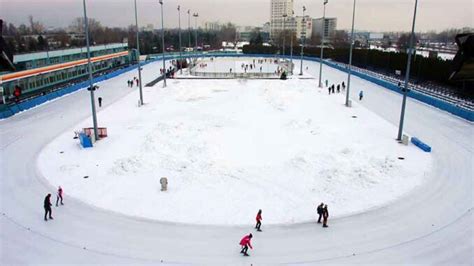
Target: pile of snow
{"points": [[231, 147]]}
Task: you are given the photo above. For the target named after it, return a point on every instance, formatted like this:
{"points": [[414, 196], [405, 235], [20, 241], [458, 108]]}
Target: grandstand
{"points": [[58, 69]]}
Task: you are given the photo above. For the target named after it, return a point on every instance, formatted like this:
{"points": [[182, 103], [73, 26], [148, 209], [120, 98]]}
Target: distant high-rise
{"points": [[304, 27], [278, 8], [329, 28]]}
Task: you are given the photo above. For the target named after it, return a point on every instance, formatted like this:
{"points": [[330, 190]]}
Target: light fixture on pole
{"points": [[291, 38], [303, 37], [407, 75], [350, 56], [196, 15], [163, 43], [138, 56], [322, 44], [89, 65], [284, 34], [180, 49]]}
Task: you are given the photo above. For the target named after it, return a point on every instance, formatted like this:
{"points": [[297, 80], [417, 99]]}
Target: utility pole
{"points": [[350, 56], [407, 75], [138, 56], [180, 49], [303, 37], [322, 44], [196, 15], [89, 65], [163, 44]]}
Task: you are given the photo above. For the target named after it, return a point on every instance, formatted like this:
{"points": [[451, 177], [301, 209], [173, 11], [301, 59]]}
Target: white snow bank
{"points": [[231, 147]]}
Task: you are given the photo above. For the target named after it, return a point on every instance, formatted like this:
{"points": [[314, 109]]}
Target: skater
{"points": [[361, 95], [325, 216], [59, 196], [332, 89], [245, 244], [137, 81], [259, 219], [47, 207], [320, 212], [100, 101], [329, 90], [338, 88], [343, 86]]}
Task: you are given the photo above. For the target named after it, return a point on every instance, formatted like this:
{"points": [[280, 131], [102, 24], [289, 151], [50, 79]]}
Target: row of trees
{"points": [[34, 37]]}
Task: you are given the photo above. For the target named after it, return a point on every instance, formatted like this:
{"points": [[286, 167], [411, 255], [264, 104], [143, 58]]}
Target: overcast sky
{"points": [[374, 15]]}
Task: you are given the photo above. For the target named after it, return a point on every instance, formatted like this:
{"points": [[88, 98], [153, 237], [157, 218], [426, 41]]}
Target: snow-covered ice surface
{"points": [[231, 147], [432, 224], [237, 64]]}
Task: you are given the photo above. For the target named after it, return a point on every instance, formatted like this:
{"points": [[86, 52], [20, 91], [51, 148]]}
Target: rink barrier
{"points": [[420, 144], [28, 104], [438, 103]]}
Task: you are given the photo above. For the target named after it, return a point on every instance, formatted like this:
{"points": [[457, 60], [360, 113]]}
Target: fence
{"points": [[438, 103]]}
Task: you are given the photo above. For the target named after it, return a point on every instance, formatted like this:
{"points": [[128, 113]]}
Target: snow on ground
{"points": [[231, 147]]}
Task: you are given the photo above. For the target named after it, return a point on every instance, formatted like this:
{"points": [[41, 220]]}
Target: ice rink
{"points": [[430, 224]]}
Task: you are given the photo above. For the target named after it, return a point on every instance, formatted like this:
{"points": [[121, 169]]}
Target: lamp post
{"points": [[163, 44], [350, 56], [303, 37], [284, 35], [196, 15], [138, 56], [322, 44], [89, 65], [407, 75], [180, 49], [291, 38], [189, 33]]}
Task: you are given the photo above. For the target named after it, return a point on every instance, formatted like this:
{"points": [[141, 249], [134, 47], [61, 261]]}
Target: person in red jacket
{"points": [[259, 219], [245, 243]]}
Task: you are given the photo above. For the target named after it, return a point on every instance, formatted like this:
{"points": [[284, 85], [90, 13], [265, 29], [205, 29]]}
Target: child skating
{"points": [[245, 244], [259, 221]]}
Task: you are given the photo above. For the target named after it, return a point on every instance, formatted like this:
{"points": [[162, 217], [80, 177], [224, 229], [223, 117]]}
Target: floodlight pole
{"points": [[89, 65], [163, 44], [303, 37], [407, 75], [350, 56], [322, 45], [138, 56], [284, 35], [196, 15], [180, 49], [291, 40]]}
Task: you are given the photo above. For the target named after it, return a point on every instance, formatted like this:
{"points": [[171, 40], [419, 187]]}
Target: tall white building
{"points": [[328, 28], [279, 8], [304, 26]]}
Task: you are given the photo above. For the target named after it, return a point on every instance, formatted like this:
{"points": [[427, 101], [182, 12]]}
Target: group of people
{"points": [[47, 203], [131, 82], [245, 242], [334, 89]]}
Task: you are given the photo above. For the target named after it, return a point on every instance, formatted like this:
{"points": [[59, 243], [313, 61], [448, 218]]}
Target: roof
{"points": [[41, 55]]}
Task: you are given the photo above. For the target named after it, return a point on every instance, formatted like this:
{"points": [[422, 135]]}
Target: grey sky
{"points": [[374, 15]]}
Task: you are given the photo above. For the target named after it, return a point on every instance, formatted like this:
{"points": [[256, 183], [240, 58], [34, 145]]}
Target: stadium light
{"points": [[180, 52], [163, 44], [350, 56], [284, 35], [138, 56], [303, 36], [196, 15], [407, 76], [322, 45], [89, 65]]}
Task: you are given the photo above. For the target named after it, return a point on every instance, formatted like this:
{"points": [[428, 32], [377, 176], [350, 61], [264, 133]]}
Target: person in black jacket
{"points": [[320, 212], [47, 207], [325, 216]]}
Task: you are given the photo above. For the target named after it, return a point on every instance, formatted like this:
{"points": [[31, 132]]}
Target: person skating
{"points": [[325, 216], [343, 86], [245, 243], [259, 220], [47, 207], [100, 101], [59, 196], [338, 88], [320, 212], [361, 95], [329, 90]]}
